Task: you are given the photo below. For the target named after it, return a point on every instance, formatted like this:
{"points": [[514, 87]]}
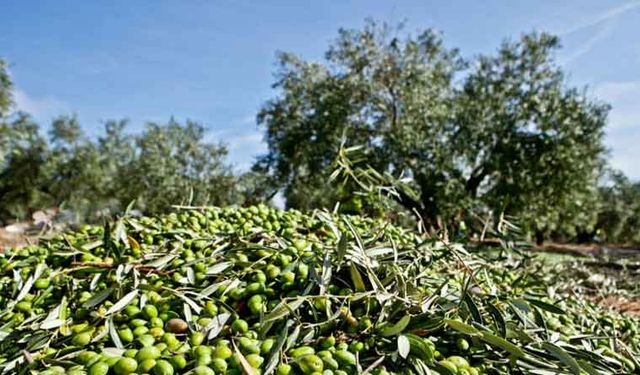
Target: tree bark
{"points": [[539, 237], [477, 176]]}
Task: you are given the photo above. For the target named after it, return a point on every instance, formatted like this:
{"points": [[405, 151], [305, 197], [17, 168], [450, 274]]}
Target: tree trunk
{"points": [[584, 236], [474, 181], [539, 237]]}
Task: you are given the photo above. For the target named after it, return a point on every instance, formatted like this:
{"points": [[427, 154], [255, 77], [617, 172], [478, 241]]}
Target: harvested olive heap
{"points": [[262, 291]]}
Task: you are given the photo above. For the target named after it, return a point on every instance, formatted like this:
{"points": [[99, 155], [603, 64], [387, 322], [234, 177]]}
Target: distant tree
{"points": [[6, 86], [533, 145], [174, 164], [117, 158], [75, 176], [66, 131], [22, 173], [164, 165], [255, 186], [167, 164], [619, 218], [504, 130], [22, 154]]}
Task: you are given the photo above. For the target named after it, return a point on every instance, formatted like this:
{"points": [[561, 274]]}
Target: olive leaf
{"points": [[398, 327], [98, 298], [115, 338], [403, 346], [124, 301], [283, 309], [217, 324], [246, 367], [563, 356]]}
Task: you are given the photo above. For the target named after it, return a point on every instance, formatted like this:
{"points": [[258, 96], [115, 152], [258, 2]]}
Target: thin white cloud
{"points": [[43, 109], [604, 23], [600, 18], [249, 141], [243, 147], [605, 31], [625, 100], [248, 120], [623, 134]]}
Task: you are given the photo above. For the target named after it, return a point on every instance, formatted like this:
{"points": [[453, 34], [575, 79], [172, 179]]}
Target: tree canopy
{"points": [[5, 89], [619, 215], [504, 131], [498, 133], [165, 164]]}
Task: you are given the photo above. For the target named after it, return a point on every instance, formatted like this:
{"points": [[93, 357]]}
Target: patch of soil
{"points": [[589, 250], [609, 259], [621, 304], [12, 240]]}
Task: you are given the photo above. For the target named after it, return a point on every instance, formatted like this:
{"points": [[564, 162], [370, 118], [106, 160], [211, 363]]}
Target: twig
{"points": [[113, 265]]}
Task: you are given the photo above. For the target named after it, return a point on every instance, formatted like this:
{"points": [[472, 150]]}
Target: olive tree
{"points": [[22, 154], [503, 131], [173, 164], [534, 146], [6, 85], [619, 218], [23, 187], [76, 178], [165, 164]]}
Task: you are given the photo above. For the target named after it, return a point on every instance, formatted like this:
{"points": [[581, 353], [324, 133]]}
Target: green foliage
{"points": [[619, 218], [173, 164], [502, 131], [166, 164], [539, 142], [5, 89], [258, 290], [23, 186], [73, 164]]}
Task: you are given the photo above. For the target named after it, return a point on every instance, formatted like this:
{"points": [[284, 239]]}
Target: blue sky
{"points": [[212, 61]]}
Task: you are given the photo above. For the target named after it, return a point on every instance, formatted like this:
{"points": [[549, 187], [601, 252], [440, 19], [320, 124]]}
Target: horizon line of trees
{"points": [[501, 132]]}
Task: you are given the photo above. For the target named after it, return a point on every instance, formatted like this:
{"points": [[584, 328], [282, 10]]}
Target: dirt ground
{"points": [[621, 304], [8, 239], [587, 250], [604, 256]]}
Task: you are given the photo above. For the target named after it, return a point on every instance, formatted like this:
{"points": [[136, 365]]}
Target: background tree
{"points": [[394, 97], [619, 218], [174, 164], [22, 174], [507, 133], [75, 175], [117, 152], [6, 87], [166, 164], [533, 145], [22, 155]]}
